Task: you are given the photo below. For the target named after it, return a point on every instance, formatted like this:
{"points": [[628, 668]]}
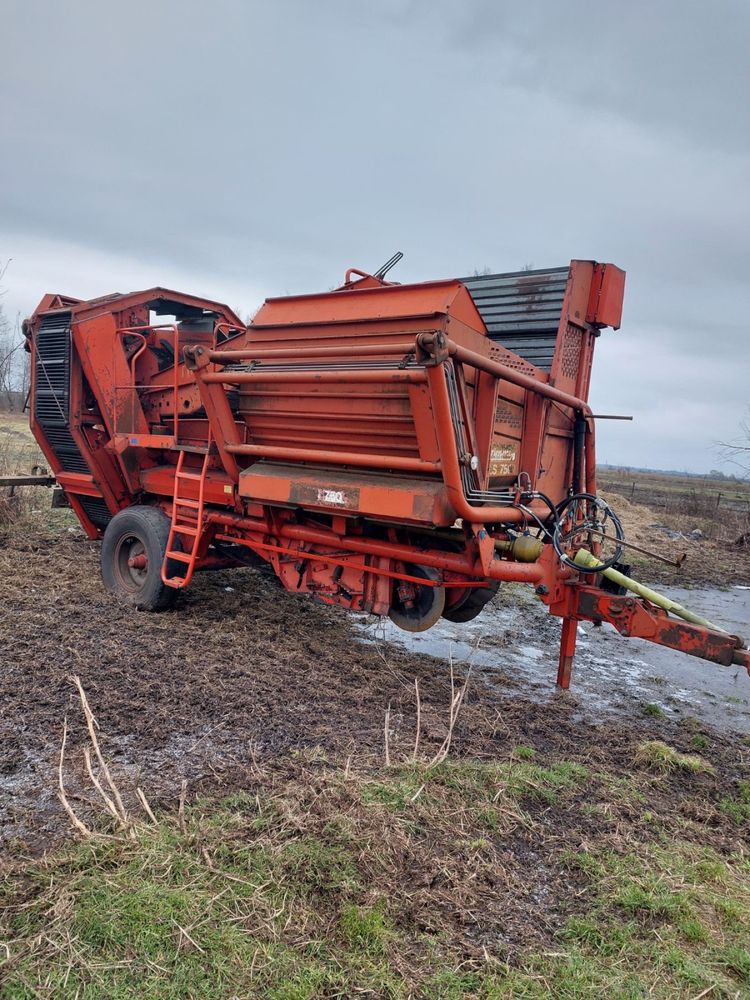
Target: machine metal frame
{"points": [[372, 444]]}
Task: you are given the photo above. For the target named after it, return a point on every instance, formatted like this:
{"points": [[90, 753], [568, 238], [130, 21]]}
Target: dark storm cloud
{"points": [[248, 148]]}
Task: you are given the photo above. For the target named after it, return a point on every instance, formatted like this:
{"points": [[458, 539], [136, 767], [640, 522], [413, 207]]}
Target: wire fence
{"points": [[706, 499]]}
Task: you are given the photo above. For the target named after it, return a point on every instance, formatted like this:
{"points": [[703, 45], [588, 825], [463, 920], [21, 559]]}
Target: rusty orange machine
{"points": [[395, 449]]}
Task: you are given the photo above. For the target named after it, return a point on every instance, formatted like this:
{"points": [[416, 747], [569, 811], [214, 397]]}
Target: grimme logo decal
{"points": [[324, 496], [336, 497]]}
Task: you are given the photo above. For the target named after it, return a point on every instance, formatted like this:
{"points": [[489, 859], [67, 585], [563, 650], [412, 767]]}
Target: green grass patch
{"points": [[161, 918], [366, 929], [397, 884], [397, 793], [414, 790], [525, 781], [653, 710], [738, 806], [679, 909]]}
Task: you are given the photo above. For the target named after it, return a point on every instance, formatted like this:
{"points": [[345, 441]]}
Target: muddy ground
{"points": [[241, 672]]}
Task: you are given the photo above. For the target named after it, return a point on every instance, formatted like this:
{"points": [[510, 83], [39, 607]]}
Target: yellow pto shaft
{"points": [[586, 561]]}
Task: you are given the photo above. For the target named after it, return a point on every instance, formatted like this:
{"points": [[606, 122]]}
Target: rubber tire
{"points": [[150, 526], [468, 610], [403, 620]]}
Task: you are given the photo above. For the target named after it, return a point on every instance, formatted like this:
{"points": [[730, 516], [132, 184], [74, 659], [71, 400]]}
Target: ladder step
{"points": [[195, 449], [187, 521], [182, 557]]}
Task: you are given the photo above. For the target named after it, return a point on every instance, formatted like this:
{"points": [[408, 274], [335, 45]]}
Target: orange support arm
{"points": [[633, 617]]}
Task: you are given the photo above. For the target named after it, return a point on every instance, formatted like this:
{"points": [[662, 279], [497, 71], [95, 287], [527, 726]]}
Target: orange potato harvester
{"points": [[395, 449]]}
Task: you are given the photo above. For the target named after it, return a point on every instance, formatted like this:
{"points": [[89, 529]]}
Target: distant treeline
{"points": [[713, 474]]}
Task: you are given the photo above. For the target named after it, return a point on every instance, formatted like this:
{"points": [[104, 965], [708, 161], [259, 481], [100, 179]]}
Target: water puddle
{"points": [[514, 645]]}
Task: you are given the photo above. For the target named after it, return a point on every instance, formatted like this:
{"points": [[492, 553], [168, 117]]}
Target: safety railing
{"points": [[132, 390]]}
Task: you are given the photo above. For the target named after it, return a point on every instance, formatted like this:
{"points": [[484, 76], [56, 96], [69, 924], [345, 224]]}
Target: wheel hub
{"points": [[131, 563]]}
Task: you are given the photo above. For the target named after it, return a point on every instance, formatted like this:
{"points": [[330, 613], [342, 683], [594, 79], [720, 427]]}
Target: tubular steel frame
{"points": [[566, 598]]}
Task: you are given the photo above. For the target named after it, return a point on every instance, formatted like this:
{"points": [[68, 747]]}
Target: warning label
{"points": [[503, 459]]}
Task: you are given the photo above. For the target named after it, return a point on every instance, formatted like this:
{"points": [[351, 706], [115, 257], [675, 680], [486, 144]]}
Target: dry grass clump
{"points": [[659, 756]]}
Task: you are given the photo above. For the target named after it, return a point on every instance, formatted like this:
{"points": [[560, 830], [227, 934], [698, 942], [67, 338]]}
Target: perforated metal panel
{"points": [[522, 310]]}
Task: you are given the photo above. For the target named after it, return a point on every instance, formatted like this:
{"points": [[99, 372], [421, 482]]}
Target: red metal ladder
{"points": [[187, 523]]}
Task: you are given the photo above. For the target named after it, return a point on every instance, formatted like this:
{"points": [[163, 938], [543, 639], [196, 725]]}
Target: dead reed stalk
{"points": [[457, 699], [454, 710], [419, 722], [181, 809], [77, 823], [106, 789], [91, 723]]}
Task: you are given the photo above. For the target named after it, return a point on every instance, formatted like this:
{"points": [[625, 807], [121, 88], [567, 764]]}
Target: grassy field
{"points": [[719, 508], [682, 494], [17, 444], [19, 454]]}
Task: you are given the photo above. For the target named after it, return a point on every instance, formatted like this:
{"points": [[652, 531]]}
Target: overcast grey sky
{"points": [[244, 149]]}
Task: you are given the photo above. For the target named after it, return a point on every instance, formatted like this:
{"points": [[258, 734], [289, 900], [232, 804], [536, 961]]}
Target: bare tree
{"points": [[737, 451], [7, 365], [14, 362]]}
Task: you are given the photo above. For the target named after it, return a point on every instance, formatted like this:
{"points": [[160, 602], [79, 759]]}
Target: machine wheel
{"points": [[419, 613], [131, 558], [468, 607]]}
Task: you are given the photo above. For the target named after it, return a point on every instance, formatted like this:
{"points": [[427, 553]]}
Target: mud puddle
{"points": [[514, 645]]}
